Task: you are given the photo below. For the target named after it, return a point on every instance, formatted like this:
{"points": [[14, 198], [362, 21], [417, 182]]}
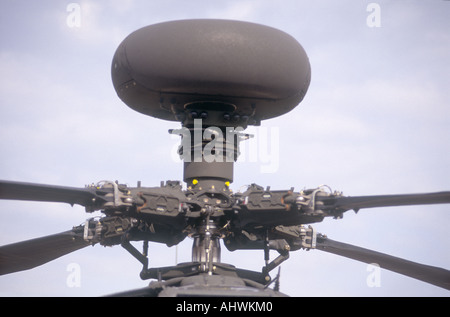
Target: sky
{"points": [[375, 120]]}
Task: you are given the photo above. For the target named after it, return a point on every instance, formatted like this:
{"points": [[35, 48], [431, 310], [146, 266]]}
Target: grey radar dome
{"points": [[240, 68]]}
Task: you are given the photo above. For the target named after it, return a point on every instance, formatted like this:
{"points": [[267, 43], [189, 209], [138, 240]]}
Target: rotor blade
{"points": [[429, 274], [31, 253], [51, 193], [343, 203]]}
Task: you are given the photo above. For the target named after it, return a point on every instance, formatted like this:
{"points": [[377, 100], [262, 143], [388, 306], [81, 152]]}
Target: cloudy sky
{"points": [[376, 120]]}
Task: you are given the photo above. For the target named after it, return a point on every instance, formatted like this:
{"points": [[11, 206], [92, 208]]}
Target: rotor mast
{"points": [[206, 247], [211, 133]]}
